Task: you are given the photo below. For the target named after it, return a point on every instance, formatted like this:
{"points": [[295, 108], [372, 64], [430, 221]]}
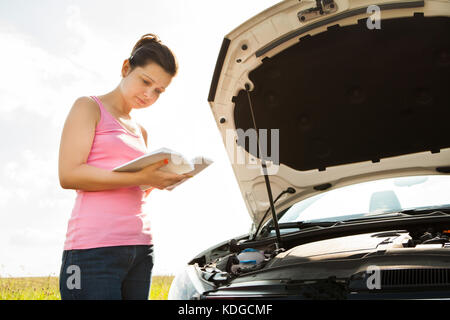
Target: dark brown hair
{"points": [[150, 49]]}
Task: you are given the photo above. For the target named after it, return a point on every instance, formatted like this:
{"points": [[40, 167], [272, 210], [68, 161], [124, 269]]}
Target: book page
{"points": [[177, 163]]}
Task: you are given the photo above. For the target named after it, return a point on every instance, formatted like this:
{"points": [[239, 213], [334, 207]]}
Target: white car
{"points": [[335, 116]]}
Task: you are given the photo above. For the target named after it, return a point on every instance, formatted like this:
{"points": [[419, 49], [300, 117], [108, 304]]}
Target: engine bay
{"points": [[394, 246]]}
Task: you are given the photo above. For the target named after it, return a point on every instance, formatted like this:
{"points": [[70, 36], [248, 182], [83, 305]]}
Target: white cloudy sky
{"points": [[53, 51]]}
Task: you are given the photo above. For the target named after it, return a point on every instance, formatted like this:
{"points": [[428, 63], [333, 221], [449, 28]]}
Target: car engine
{"points": [[341, 257]]}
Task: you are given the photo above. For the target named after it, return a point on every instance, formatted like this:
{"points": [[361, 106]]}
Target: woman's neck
{"points": [[115, 100]]}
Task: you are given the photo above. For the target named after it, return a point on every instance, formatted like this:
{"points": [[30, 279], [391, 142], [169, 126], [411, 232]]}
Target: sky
{"points": [[54, 51]]}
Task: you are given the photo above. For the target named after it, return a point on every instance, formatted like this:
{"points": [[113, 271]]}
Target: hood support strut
{"points": [[278, 245]]}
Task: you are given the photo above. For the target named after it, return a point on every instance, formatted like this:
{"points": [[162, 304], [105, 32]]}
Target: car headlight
{"points": [[188, 285]]}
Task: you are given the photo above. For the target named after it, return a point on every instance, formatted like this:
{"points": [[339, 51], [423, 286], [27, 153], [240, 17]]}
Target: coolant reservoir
{"points": [[250, 257]]}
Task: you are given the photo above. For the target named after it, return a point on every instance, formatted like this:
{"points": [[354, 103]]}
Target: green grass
{"points": [[47, 288]]}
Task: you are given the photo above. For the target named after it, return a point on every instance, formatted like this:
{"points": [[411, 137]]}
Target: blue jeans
{"points": [[106, 273]]}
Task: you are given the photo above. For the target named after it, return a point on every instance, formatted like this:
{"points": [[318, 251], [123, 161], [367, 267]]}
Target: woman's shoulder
{"points": [[88, 107], [86, 102]]}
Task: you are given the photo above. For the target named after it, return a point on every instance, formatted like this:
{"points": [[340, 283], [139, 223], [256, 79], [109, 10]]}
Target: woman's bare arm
{"points": [[76, 141]]}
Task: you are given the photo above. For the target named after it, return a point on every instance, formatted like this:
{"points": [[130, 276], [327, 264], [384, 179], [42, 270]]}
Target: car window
{"points": [[372, 198]]}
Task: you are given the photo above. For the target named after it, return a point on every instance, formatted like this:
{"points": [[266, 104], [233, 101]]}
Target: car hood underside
{"points": [[344, 102]]}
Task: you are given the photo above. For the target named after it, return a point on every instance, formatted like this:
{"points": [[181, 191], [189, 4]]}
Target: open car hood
{"points": [[335, 99]]}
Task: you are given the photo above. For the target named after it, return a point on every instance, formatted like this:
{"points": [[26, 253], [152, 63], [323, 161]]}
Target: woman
{"points": [[108, 252]]}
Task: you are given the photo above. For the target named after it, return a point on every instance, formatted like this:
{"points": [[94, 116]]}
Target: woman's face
{"points": [[142, 86]]}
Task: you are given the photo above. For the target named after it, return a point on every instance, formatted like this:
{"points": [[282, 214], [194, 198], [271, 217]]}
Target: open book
{"points": [[177, 164]]}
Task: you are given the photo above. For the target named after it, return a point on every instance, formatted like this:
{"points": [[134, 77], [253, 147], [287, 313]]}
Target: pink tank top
{"points": [[111, 217]]}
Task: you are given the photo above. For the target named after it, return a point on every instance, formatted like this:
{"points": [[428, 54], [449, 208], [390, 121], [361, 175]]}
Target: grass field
{"points": [[47, 288]]}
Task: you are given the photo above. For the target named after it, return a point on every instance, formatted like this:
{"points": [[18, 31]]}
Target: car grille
{"points": [[415, 277]]}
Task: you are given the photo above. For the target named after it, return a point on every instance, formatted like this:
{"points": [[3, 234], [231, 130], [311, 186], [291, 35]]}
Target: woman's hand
{"points": [[159, 179]]}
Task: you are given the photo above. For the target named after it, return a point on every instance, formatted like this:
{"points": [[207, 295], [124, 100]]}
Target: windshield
{"points": [[372, 198]]}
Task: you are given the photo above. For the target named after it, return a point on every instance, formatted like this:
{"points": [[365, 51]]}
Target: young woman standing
{"points": [[108, 252]]}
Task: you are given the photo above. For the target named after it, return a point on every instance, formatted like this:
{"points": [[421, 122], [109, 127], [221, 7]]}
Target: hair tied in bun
{"points": [[150, 37], [149, 48]]}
